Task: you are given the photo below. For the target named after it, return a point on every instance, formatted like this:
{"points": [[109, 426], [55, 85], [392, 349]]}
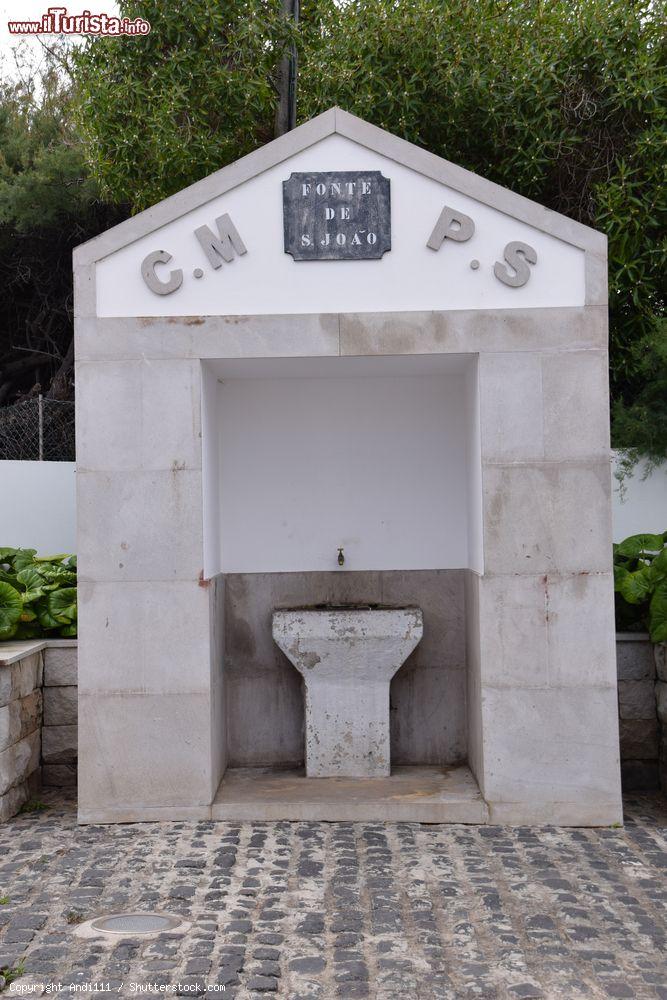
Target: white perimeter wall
{"points": [[374, 462], [643, 507], [38, 506]]}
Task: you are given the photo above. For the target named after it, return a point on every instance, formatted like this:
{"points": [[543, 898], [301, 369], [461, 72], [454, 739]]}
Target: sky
{"points": [[32, 10]]}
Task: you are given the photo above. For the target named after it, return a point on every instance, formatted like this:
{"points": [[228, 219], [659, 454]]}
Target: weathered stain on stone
{"points": [[186, 320], [310, 660]]}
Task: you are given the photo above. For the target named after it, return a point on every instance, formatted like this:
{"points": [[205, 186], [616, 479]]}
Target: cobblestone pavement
{"points": [[325, 910]]}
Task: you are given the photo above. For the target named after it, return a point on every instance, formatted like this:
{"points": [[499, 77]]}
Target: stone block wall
{"points": [[21, 668], [661, 702], [38, 698], [639, 724], [59, 729], [642, 700]]}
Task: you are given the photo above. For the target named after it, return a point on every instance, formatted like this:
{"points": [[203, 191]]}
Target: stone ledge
{"points": [[410, 794], [11, 652]]}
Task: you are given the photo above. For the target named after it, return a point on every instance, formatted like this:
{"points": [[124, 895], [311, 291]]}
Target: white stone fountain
{"points": [[347, 657]]}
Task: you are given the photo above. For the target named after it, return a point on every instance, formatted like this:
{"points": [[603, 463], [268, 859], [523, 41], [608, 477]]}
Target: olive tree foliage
{"points": [[563, 102], [163, 110]]}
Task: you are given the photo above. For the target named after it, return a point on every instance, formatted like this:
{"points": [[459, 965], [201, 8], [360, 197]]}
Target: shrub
{"points": [[37, 595], [640, 583]]}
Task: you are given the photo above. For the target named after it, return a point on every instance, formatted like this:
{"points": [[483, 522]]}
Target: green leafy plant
{"points": [[33, 806], [37, 595], [641, 421], [10, 973], [640, 583]]}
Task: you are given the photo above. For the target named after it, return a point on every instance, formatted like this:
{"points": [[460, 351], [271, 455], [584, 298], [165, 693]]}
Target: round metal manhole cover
{"points": [[136, 923]]}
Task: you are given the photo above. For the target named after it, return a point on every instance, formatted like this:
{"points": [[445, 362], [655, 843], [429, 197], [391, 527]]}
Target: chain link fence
{"points": [[37, 430]]}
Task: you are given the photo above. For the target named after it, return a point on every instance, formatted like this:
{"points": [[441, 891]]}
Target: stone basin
{"points": [[347, 656]]}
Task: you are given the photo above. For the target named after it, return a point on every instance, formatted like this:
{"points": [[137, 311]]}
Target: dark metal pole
{"points": [[287, 76]]}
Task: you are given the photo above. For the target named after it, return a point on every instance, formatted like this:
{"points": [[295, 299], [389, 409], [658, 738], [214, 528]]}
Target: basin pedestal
{"points": [[347, 659]]}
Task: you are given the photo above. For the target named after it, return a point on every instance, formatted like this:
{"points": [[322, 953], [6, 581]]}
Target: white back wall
{"points": [[409, 277], [210, 473], [474, 472], [365, 458], [38, 506]]}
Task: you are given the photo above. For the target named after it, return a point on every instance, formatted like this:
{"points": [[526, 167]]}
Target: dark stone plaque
{"points": [[337, 215]]}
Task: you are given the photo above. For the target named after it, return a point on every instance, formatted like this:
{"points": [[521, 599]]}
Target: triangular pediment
{"points": [[430, 236]]}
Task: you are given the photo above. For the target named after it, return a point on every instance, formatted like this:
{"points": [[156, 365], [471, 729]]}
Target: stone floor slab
{"points": [[422, 794]]}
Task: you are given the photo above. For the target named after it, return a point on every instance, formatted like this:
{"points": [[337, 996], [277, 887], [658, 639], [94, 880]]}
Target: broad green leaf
{"points": [[46, 619], [62, 605], [638, 586], [637, 545], [57, 574], [68, 632], [32, 580], [30, 596], [658, 614], [23, 558], [659, 564], [11, 608]]}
